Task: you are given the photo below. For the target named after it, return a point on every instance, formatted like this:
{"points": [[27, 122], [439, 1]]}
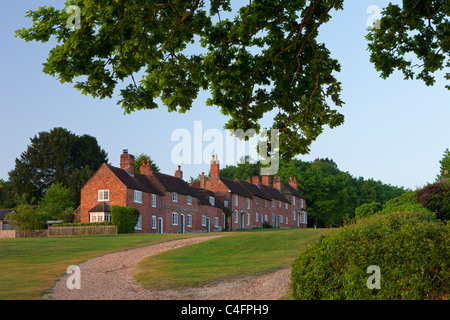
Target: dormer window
{"points": [[211, 200], [175, 197]]}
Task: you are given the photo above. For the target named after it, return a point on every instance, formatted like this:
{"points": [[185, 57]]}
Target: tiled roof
{"points": [[101, 207], [288, 189], [236, 187], [174, 184], [3, 213], [255, 189], [203, 197], [274, 193], [139, 182]]}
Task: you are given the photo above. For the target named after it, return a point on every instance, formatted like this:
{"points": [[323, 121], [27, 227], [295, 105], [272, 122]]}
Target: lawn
{"points": [[239, 253], [30, 267]]}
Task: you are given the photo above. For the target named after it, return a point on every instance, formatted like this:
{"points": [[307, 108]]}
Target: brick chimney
{"points": [[255, 180], [293, 183], [127, 162], [277, 183], [179, 173], [266, 179], [202, 181], [146, 168], [215, 167]]}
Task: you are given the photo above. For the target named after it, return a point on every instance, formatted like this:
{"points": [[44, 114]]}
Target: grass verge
{"points": [[239, 253]]}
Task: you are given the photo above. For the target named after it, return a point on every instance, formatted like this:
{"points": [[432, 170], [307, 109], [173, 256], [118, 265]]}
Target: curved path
{"points": [[110, 277]]}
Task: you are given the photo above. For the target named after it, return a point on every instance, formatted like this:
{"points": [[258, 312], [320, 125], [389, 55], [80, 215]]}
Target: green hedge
{"points": [[125, 218], [410, 246]]}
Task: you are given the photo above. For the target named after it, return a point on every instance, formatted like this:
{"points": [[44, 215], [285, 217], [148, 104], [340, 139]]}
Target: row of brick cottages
{"points": [[168, 204]]}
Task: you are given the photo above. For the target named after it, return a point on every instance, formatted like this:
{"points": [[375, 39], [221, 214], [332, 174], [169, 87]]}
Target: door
{"points": [[182, 222], [160, 225], [242, 220]]}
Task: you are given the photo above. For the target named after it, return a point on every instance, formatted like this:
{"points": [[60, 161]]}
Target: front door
{"points": [[242, 220], [160, 225], [182, 230]]}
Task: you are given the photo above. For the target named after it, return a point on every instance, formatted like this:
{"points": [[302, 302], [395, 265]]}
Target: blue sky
{"points": [[395, 131]]}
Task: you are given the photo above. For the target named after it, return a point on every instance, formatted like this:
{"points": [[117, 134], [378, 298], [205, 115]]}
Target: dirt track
{"points": [[110, 277]]}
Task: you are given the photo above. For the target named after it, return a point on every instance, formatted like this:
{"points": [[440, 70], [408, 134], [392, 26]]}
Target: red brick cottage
{"points": [[168, 204]]}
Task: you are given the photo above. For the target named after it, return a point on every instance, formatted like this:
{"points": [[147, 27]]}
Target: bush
{"points": [[367, 209], [436, 198], [411, 248], [125, 218]]}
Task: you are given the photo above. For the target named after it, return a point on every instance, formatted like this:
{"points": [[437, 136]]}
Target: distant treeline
{"points": [[331, 194]]}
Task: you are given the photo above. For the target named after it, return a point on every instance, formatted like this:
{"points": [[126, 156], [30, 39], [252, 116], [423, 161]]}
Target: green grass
{"points": [[239, 253], [30, 267]]}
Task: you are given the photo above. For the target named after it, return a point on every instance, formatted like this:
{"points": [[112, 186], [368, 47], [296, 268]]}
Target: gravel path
{"points": [[110, 277]]}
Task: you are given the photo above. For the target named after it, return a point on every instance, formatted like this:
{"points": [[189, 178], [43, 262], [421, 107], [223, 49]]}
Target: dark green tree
{"points": [[144, 157], [444, 166], [55, 156], [57, 202]]}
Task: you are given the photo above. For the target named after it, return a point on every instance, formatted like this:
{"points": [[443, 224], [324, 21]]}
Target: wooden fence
{"points": [[59, 232], [81, 230]]}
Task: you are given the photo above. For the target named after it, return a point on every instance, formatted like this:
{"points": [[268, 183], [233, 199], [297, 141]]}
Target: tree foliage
{"points": [[57, 202], [56, 156], [444, 171], [412, 38], [143, 158]]}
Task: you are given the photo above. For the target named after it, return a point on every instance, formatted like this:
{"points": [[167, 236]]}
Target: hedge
{"points": [[410, 246], [125, 218]]}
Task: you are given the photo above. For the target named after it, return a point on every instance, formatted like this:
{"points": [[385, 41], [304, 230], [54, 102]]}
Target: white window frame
{"points": [[273, 203], [174, 197], [174, 218], [189, 220], [189, 200], [137, 196], [102, 193], [287, 220], [236, 201], [294, 214], [203, 221], [248, 218], [256, 200], [279, 204], [256, 220], [287, 205], [265, 203], [236, 216], [225, 203], [138, 225], [265, 217], [248, 203], [211, 201], [216, 224], [293, 200], [301, 204], [153, 222], [154, 200]]}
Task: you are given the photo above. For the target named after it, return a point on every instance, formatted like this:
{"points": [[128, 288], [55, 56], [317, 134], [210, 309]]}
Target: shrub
{"points": [[436, 198], [125, 218], [367, 209], [411, 248]]}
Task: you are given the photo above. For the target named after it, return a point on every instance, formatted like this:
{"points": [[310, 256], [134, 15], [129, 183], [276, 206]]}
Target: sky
{"points": [[395, 131]]}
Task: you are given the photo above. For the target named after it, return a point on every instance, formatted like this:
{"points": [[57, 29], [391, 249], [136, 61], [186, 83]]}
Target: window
{"points": [[293, 200], [103, 195], [279, 203], [100, 217], [281, 218], [265, 217], [286, 205], [256, 218], [189, 200], [204, 221], [273, 216], [256, 200], [273, 203], [153, 222], [265, 203], [211, 200], [301, 203], [287, 220], [175, 197], [137, 196], [248, 203], [293, 215], [174, 218], [216, 222], [154, 200], [236, 216], [235, 199], [189, 220], [225, 203], [248, 218], [138, 225]]}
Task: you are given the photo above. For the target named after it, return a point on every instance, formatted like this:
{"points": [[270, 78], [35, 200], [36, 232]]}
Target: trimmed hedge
{"points": [[410, 246], [125, 218]]}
